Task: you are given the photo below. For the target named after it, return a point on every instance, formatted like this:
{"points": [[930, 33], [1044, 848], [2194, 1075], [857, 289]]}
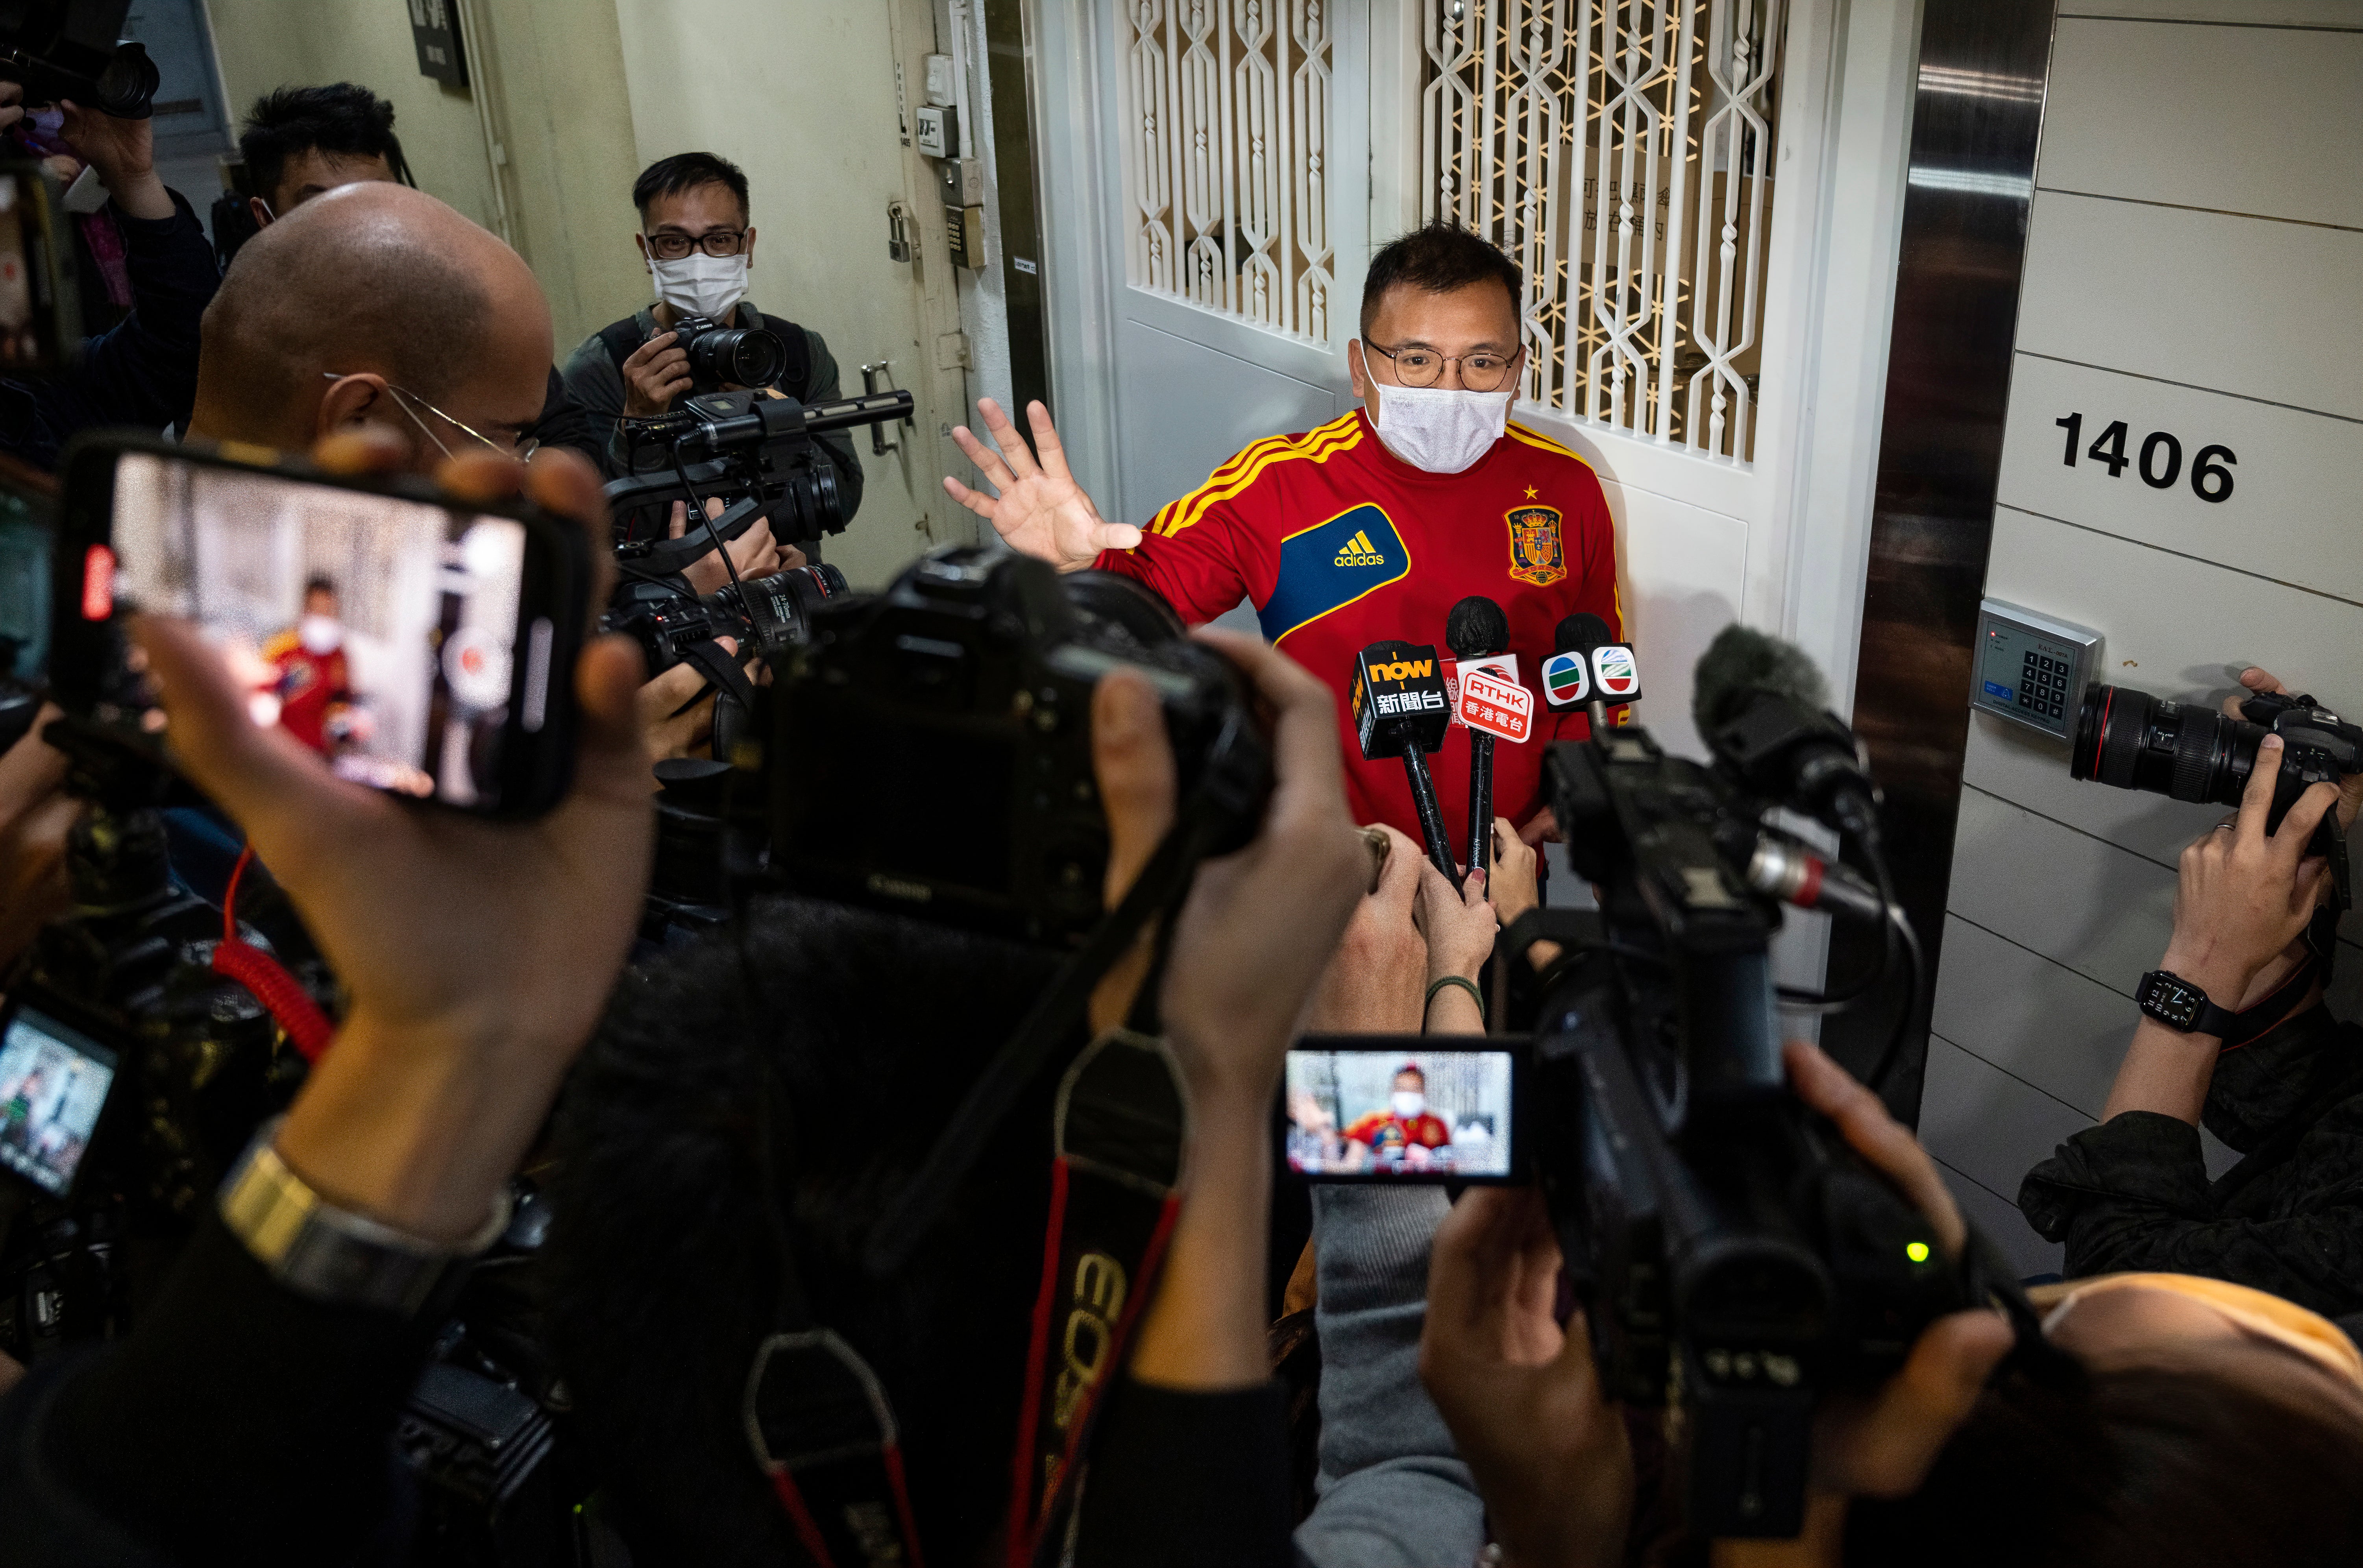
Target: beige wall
{"points": [[552, 71]]}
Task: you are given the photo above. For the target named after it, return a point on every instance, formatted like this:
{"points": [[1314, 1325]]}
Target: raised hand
{"points": [[1036, 507]]}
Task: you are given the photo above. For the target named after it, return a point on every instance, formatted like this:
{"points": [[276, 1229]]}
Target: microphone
{"points": [[1567, 674], [1399, 711], [1479, 628], [1789, 870], [1611, 673], [1764, 711]]}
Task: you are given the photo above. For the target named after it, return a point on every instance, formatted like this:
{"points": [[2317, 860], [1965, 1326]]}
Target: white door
{"points": [[1217, 202]]}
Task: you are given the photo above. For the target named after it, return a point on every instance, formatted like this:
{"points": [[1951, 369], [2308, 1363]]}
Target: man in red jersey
{"points": [[1373, 525], [312, 681], [1405, 1136]]}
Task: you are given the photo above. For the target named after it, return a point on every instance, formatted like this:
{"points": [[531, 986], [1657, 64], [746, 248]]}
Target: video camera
{"points": [[73, 49], [1737, 1261], [754, 449]]}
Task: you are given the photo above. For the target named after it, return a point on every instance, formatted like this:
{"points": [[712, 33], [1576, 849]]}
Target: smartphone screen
{"points": [[53, 1083], [385, 633], [1401, 1112]]}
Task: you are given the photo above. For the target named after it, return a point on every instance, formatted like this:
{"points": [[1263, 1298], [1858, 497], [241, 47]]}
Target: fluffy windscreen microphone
{"points": [[1742, 662], [1477, 629]]}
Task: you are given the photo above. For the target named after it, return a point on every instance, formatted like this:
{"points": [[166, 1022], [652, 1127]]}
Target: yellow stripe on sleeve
{"points": [[1531, 439], [1318, 445]]}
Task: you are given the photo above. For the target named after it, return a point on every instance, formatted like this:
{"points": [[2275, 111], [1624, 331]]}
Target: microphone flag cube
{"points": [[1491, 705], [1567, 679], [1504, 665], [1399, 699], [1615, 673]]}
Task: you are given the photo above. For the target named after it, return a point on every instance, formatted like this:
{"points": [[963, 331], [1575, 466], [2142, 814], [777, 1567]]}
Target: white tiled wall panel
{"points": [[2204, 117], [2266, 310], [1986, 1124], [2250, 13], [2018, 1010], [2292, 512], [2097, 909]]}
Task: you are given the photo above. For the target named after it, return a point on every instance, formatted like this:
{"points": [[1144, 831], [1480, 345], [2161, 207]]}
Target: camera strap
{"points": [[1121, 1136], [823, 1433], [664, 558], [1159, 889]]}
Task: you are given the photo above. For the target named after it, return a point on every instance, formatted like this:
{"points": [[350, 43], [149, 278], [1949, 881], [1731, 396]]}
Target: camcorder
{"points": [[754, 449], [2192, 752], [74, 49], [1738, 1262]]}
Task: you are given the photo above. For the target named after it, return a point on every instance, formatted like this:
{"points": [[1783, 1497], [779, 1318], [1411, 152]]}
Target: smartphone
{"points": [[419, 649], [54, 1081], [1384, 1108]]}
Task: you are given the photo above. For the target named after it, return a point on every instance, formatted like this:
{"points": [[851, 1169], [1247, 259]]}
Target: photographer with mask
{"points": [[143, 370], [697, 239], [2276, 1076]]}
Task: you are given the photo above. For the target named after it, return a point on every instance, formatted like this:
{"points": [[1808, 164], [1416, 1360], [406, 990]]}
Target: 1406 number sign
{"points": [[2159, 461]]}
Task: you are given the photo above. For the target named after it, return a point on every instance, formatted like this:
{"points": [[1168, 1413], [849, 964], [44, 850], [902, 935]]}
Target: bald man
{"points": [[374, 306]]}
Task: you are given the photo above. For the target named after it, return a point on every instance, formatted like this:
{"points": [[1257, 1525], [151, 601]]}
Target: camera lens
{"points": [[808, 507], [739, 356], [2134, 741], [127, 85], [779, 607]]}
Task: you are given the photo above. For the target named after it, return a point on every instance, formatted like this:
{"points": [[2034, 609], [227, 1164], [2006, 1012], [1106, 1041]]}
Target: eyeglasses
{"points": [[1482, 371], [714, 242], [522, 449]]}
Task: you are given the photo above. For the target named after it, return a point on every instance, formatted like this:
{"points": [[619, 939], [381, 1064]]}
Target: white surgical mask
{"points": [[1440, 429], [699, 284], [1408, 1103], [320, 634]]}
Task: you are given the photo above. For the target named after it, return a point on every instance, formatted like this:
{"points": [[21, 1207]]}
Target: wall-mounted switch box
{"points": [[939, 130], [964, 180], [941, 89], [2031, 667]]}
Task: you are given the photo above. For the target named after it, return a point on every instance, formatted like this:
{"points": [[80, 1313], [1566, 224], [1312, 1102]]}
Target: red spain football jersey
{"points": [[1339, 543]]}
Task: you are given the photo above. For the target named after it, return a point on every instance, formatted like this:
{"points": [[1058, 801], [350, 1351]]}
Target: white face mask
{"points": [[1440, 429], [320, 634], [699, 284], [1408, 1103]]}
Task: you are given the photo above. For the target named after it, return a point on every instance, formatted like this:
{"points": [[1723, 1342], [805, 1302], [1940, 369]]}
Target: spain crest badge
{"points": [[1536, 554]]}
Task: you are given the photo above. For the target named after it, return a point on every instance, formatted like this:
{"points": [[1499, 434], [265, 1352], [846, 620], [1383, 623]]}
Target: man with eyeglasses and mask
{"points": [[1372, 526], [698, 244]]}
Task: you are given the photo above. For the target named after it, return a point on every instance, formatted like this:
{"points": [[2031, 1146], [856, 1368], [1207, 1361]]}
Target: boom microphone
{"points": [[1399, 710], [1478, 628], [1764, 711]]}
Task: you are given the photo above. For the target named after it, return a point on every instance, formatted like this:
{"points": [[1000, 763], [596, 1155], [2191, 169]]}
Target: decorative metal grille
{"points": [[1621, 151], [1226, 105]]}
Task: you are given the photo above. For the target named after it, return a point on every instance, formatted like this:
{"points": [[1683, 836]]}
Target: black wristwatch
{"points": [[2182, 1006]]}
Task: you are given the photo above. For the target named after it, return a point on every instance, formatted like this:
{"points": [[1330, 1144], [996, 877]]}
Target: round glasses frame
{"points": [[1482, 371]]}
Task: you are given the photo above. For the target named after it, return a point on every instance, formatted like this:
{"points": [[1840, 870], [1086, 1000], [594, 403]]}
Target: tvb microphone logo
{"points": [[1567, 680], [1614, 672]]}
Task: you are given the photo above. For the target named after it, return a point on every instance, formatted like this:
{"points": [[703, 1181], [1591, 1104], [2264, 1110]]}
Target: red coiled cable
{"points": [[273, 987]]}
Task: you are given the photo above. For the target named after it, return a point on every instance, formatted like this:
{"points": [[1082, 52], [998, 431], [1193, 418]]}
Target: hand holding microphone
{"points": [[1399, 710]]}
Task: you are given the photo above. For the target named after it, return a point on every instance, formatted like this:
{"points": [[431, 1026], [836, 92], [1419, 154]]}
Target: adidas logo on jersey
{"points": [[1360, 551]]}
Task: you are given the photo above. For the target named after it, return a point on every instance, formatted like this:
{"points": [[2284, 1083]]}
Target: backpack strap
{"points": [[622, 339]]}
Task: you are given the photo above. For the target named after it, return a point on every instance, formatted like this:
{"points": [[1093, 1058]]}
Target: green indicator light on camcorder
{"points": [[1916, 1251]]}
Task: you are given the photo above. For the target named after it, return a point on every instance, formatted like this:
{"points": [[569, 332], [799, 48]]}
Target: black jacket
{"points": [[141, 373], [2133, 1193]]}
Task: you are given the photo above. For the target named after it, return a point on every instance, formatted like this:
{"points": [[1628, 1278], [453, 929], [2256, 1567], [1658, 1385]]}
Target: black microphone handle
{"points": [[1431, 815], [1480, 800]]}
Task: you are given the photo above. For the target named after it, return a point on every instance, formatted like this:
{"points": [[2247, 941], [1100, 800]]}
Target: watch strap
{"points": [[331, 1254], [2208, 1020]]}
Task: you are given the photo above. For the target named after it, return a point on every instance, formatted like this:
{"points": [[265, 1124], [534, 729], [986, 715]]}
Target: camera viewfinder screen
{"points": [[1397, 1113], [380, 632], [53, 1082]]}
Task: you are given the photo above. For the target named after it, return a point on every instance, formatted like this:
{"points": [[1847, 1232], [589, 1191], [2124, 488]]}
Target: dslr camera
{"points": [[765, 618], [954, 709], [2191, 751], [722, 357], [72, 48]]}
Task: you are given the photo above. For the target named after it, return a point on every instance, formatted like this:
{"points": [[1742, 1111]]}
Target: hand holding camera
{"points": [[2245, 894], [654, 374], [476, 954], [124, 153]]}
